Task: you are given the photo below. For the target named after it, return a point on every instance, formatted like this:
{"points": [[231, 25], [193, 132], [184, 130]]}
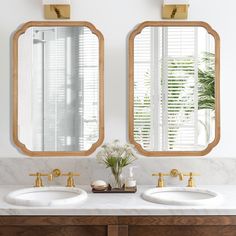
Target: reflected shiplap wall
{"points": [[115, 19]]}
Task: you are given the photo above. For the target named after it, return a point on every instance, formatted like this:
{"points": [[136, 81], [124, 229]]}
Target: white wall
{"points": [[115, 19]]}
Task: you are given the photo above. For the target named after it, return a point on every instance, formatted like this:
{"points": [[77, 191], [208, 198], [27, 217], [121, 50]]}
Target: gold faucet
{"points": [[173, 173], [55, 173], [70, 179], [191, 182], [176, 173], [38, 175]]}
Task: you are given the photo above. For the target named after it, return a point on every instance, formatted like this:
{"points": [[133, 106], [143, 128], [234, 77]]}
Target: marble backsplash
{"points": [[218, 171]]}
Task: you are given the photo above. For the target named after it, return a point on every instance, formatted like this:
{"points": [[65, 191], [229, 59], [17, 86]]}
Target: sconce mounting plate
{"points": [[57, 11], [179, 11]]}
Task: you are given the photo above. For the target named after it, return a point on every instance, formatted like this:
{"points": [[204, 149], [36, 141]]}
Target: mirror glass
{"points": [[173, 88], [58, 88]]}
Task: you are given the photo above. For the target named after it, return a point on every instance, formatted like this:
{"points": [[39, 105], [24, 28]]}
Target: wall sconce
{"points": [[175, 9], [56, 9]]}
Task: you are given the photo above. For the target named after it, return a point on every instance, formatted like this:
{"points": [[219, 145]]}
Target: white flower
{"points": [[115, 155]]}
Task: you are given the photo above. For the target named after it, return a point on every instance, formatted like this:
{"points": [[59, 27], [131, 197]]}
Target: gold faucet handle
{"points": [[70, 179], [191, 181], [71, 174], [50, 176], [191, 174], [160, 174], [36, 174], [38, 180], [39, 174], [160, 182]]}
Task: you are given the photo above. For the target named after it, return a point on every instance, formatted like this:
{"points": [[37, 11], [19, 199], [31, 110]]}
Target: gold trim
{"points": [[217, 87], [17, 34]]}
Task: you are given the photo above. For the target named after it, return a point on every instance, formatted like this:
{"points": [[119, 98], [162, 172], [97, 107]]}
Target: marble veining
{"points": [[218, 171]]}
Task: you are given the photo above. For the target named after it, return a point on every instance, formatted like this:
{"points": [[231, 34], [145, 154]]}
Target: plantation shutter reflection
{"points": [[142, 89], [165, 88], [89, 67], [70, 89], [182, 77]]}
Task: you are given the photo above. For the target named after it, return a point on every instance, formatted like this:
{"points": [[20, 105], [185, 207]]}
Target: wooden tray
{"points": [[115, 190]]}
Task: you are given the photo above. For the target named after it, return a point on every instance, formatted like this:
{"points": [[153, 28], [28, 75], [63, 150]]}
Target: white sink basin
{"points": [[46, 196], [183, 196]]}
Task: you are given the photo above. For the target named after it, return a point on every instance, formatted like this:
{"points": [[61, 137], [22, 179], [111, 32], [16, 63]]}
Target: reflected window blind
{"points": [[165, 88], [54, 83], [142, 88], [70, 84], [181, 56], [89, 75]]}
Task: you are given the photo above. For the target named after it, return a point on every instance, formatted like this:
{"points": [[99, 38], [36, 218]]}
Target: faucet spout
{"points": [[181, 176], [176, 173]]}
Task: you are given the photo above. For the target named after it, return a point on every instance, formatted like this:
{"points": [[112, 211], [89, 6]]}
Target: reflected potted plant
{"points": [[206, 91], [207, 83], [116, 156]]}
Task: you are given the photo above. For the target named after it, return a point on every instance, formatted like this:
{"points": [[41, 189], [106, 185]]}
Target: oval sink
{"points": [[182, 196], [46, 196]]}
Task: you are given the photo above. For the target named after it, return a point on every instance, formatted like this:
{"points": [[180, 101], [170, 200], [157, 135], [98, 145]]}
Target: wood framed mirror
{"points": [[174, 88], [58, 88]]}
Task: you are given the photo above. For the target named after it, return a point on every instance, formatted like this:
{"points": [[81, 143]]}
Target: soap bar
{"points": [[99, 185]]}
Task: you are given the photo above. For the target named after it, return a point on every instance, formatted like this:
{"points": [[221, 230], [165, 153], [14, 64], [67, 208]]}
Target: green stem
{"points": [[116, 173]]}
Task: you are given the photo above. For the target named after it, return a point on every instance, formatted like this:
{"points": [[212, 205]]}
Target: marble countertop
{"points": [[123, 204]]}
